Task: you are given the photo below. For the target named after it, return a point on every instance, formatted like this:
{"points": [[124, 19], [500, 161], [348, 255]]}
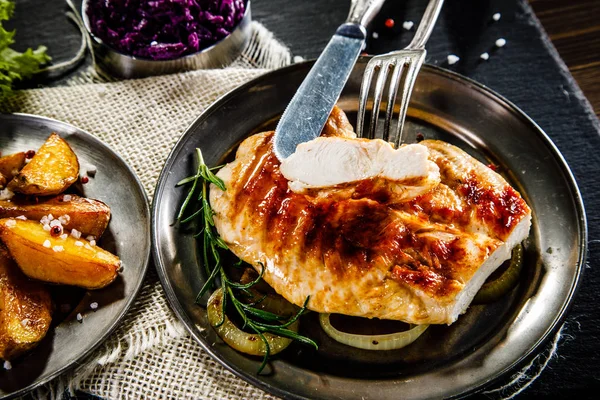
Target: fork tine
{"points": [[377, 95], [394, 84], [413, 66], [364, 97]]}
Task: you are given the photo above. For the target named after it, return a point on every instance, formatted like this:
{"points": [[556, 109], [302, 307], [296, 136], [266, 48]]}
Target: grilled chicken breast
{"points": [[412, 243]]}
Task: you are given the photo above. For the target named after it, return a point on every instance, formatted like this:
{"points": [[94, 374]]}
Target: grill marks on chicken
{"points": [[420, 261]]}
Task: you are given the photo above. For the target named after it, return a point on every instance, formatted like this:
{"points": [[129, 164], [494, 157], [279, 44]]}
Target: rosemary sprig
{"points": [[254, 319]]}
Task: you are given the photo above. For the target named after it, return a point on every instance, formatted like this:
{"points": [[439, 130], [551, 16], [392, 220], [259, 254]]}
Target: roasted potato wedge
{"points": [[67, 261], [11, 165], [88, 216], [53, 169], [25, 310]]}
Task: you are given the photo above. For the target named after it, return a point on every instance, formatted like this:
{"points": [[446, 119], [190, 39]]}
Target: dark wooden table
{"points": [[305, 26], [574, 28]]}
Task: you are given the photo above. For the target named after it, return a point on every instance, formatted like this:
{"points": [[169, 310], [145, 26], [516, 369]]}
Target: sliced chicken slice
{"points": [[419, 260]]}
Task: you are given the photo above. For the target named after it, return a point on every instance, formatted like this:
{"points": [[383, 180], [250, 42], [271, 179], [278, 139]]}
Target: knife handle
{"points": [[362, 12]]}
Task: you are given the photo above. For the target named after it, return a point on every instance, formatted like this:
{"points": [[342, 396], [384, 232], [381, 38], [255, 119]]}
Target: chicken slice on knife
{"points": [[366, 230]]}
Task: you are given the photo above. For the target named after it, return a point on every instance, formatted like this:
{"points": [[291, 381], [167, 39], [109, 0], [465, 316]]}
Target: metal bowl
{"points": [[488, 341], [122, 65]]}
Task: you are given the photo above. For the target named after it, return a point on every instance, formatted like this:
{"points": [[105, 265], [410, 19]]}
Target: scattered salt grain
{"points": [[47, 227], [6, 194], [75, 233], [484, 56], [452, 59], [58, 249], [22, 218], [496, 17], [375, 35], [64, 219], [55, 222], [11, 222], [94, 305], [7, 365], [79, 317], [92, 242], [87, 246], [24, 322], [500, 42], [67, 197], [408, 25], [78, 243], [90, 238], [50, 217], [298, 59], [47, 244], [64, 236]]}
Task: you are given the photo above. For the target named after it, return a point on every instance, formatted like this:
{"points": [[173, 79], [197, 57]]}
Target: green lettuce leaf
{"points": [[15, 65]]}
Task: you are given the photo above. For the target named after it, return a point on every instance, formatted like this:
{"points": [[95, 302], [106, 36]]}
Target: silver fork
{"points": [[407, 63]]}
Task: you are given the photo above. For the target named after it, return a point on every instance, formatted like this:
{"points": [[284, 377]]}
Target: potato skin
{"points": [[11, 165], [52, 170], [88, 216], [25, 310], [86, 266]]}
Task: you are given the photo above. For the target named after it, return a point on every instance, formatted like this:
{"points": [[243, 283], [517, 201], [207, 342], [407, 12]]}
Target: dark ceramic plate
{"points": [[127, 235], [447, 361]]}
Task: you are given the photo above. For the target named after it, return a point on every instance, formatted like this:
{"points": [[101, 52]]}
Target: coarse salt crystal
{"points": [[375, 35], [408, 25], [50, 217], [79, 317], [47, 227], [453, 59], [92, 242], [22, 218], [78, 243], [67, 197], [298, 59], [11, 222], [55, 222], [496, 16], [7, 365], [500, 42], [87, 246], [24, 322], [94, 305], [47, 244], [58, 249], [6, 194], [484, 56], [75, 233], [64, 236], [90, 238], [64, 219]]}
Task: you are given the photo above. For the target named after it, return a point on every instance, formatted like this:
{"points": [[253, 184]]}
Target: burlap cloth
{"points": [[151, 355]]}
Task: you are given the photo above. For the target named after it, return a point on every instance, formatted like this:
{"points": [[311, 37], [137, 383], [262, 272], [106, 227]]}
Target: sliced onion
{"points": [[249, 343], [389, 341], [492, 290]]}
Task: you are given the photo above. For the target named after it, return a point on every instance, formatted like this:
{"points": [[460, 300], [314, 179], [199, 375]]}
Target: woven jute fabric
{"points": [[150, 355]]}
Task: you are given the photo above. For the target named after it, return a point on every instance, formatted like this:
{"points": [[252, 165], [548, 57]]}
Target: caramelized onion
{"points": [[389, 341], [493, 289], [249, 343]]}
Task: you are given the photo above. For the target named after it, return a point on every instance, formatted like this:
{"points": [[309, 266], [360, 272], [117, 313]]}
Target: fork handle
{"points": [[362, 12], [426, 25]]}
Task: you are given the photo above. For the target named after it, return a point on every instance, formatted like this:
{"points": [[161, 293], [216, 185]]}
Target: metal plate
{"points": [[127, 235], [447, 361]]}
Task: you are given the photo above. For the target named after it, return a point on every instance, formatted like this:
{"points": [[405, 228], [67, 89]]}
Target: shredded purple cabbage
{"points": [[163, 29]]}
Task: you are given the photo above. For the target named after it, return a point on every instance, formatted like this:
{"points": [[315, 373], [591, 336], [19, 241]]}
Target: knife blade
{"points": [[306, 114]]}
